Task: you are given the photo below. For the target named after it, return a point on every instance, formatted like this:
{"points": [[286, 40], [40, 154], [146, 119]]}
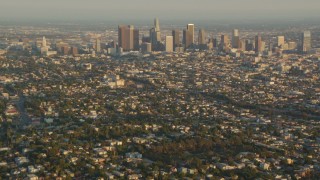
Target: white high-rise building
{"points": [[44, 42], [44, 48]]}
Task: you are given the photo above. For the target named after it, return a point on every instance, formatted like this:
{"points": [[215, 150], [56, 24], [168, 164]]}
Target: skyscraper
{"points": [[155, 35], [202, 37], [98, 45], [169, 43], [136, 45], [156, 24], [280, 41], [306, 41], [146, 47], [122, 36], [258, 44], [190, 28], [235, 39], [188, 35], [128, 38], [202, 40], [249, 46], [131, 37], [224, 42], [176, 38]]}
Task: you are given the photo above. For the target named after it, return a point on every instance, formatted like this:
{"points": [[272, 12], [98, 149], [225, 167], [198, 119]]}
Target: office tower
{"points": [[202, 40], [215, 42], [235, 39], [176, 38], [155, 35], [188, 36], [128, 38], [202, 37], [224, 42], [136, 44], [122, 36], [242, 45], [169, 43], [190, 28], [258, 44], [156, 24], [249, 46], [306, 42], [98, 45], [292, 45], [280, 41], [153, 38], [131, 37], [146, 47]]}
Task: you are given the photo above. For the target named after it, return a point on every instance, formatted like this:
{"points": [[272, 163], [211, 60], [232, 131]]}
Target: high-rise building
{"points": [[44, 48], [156, 24], [280, 41], [188, 36], [136, 44], [190, 28], [224, 42], [128, 38], [202, 40], [155, 35], [153, 38], [292, 45], [242, 45], [235, 39], [98, 45], [258, 44], [215, 42], [44, 42], [202, 37], [306, 42], [146, 47], [249, 46], [169, 43], [176, 38], [131, 37], [122, 36]]}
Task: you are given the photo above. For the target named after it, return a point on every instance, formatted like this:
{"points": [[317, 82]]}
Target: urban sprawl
{"points": [[151, 103]]}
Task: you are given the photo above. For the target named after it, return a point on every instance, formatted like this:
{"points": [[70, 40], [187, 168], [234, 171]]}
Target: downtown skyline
{"points": [[148, 89]]}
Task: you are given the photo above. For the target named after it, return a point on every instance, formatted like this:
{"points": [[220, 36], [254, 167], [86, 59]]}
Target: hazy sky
{"points": [[164, 9]]}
